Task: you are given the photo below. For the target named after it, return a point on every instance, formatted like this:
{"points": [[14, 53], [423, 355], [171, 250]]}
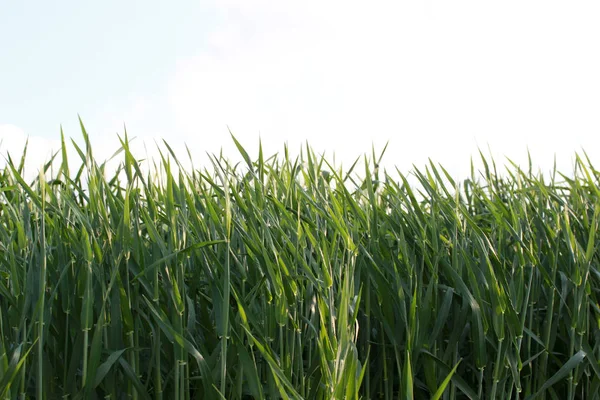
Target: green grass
{"points": [[285, 278]]}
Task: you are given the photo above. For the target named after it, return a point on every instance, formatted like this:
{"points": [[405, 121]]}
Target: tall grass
{"points": [[285, 278]]}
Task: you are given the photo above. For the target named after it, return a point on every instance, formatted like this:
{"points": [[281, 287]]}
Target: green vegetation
{"points": [[284, 278]]}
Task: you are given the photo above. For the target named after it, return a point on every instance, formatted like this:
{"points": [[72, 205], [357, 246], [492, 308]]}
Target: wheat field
{"points": [[285, 278]]}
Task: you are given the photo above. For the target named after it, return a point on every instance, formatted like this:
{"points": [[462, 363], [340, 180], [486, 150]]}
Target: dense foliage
{"points": [[283, 278]]}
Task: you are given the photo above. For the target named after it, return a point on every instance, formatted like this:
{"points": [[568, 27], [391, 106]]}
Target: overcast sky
{"points": [[436, 79]]}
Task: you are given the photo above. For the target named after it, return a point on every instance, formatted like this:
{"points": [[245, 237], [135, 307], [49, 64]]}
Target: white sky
{"points": [[436, 79]]}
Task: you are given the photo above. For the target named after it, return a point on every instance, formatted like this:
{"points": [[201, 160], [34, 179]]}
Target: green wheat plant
{"points": [[290, 278]]}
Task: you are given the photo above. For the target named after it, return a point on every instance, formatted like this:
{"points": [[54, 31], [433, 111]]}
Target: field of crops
{"points": [[283, 278]]}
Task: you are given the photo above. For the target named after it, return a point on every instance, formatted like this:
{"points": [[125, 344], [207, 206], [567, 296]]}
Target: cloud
{"points": [[436, 79], [12, 143], [40, 150]]}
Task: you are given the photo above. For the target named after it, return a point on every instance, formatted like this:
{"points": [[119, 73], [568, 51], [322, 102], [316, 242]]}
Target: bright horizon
{"points": [[435, 79]]}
